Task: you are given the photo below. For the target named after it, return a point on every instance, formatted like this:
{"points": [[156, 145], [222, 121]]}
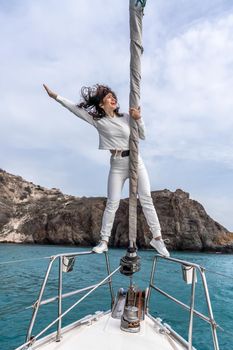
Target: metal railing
{"points": [[108, 280], [90, 289], [209, 319]]}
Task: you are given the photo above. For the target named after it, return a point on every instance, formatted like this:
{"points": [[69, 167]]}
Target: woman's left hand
{"points": [[135, 113]]}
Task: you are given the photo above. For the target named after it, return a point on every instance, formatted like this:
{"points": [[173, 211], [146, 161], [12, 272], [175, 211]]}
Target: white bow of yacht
{"points": [[128, 324]]}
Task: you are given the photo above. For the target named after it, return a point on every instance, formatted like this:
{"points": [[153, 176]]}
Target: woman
{"points": [[100, 108]]}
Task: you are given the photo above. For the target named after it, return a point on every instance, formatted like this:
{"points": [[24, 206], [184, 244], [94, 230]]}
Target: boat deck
{"points": [[104, 333]]}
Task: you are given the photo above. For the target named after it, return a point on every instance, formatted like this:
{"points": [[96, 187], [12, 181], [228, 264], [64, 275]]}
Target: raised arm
{"points": [[71, 106], [50, 92]]}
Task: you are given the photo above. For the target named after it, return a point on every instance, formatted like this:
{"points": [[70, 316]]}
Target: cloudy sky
{"points": [[187, 87]]}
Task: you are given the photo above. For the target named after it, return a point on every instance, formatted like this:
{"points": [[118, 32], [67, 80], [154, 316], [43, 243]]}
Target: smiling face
{"points": [[109, 104], [100, 101]]}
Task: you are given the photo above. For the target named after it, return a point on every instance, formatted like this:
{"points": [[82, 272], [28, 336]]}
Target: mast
{"points": [[136, 13], [130, 263]]}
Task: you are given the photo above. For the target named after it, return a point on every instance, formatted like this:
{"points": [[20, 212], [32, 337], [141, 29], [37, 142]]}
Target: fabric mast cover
{"points": [[136, 13]]}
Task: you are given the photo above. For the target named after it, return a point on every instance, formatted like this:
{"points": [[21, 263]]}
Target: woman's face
{"points": [[109, 102]]}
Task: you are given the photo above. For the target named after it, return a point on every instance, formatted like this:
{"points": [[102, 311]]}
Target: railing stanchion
{"points": [[59, 322], [213, 323], [151, 283], [110, 279], [190, 333], [37, 304]]}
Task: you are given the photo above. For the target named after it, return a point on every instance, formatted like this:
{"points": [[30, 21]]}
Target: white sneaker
{"points": [[159, 245], [101, 247]]}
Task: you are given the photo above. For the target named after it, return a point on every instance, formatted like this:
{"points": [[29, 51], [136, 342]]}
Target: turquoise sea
{"points": [[22, 268]]}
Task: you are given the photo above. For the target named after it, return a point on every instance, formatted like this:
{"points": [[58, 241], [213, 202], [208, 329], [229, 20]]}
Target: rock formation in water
{"points": [[34, 214]]}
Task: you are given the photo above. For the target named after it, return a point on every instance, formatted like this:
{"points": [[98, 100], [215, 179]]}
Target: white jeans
{"points": [[118, 173]]}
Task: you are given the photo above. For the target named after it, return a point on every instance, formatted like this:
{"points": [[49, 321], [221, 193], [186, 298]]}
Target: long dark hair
{"points": [[92, 97]]}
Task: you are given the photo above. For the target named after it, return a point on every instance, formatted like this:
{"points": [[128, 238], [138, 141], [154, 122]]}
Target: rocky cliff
{"points": [[33, 214]]}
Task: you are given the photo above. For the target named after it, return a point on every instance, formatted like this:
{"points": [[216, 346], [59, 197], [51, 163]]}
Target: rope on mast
{"points": [[136, 13]]}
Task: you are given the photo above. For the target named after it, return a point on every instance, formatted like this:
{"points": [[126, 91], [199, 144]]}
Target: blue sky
{"points": [[187, 84]]}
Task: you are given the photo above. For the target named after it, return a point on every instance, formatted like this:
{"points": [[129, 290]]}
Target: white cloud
{"points": [[190, 82]]}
